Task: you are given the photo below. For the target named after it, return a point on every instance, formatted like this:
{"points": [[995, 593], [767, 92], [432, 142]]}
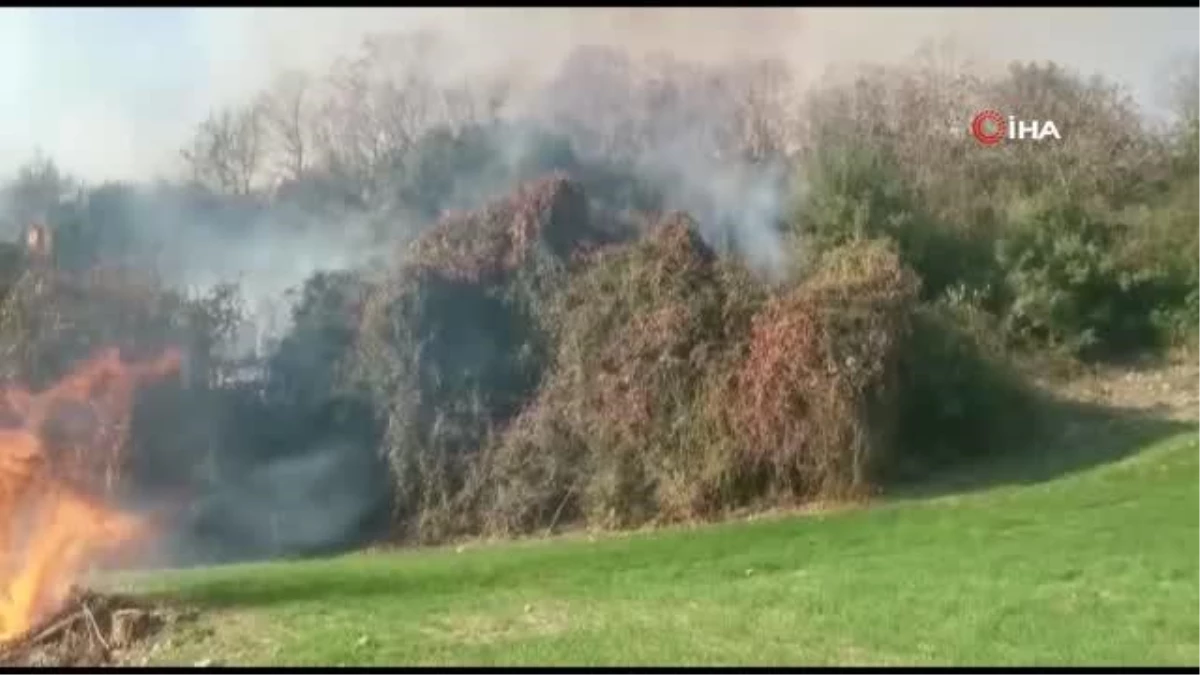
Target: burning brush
{"points": [[88, 629], [57, 473]]}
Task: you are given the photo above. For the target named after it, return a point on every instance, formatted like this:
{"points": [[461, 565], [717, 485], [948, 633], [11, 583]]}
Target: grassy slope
{"points": [[1097, 567]]}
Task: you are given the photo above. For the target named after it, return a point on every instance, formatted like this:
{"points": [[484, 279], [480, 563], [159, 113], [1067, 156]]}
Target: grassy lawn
{"points": [[1095, 567]]}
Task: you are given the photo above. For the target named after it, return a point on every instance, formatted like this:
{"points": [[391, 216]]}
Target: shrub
{"points": [[451, 345], [53, 319], [959, 396], [1090, 281], [1158, 250], [857, 187], [306, 369], [681, 388], [815, 394], [634, 332]]}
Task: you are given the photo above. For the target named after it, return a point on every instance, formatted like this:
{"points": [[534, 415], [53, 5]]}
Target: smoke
{"points": [[321, 498], [738, 203], [125, 117], [113, 107], [193, 243], [268, 252], [531, 42], [231, 473], [743, 206]]}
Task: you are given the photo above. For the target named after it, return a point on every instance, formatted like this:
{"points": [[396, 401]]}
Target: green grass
{"points": [[1095, 567]]}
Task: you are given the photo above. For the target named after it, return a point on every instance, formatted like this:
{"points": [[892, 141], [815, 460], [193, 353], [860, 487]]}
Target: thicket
{"points": [[554, 341]]}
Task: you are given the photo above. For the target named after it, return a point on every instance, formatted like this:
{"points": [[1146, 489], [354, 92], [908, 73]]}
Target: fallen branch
{"points": [[51, 630], [96, 627], [558, 512]]}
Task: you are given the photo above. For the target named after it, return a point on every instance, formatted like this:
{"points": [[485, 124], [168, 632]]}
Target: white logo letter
{"points": [[1027, 129], [1048, 129]]}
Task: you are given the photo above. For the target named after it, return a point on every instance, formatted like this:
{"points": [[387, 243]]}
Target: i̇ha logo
{"points": [[990, 127]]}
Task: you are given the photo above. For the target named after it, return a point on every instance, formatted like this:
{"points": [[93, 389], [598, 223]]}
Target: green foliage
{"points": [[1165, 240], [857, 190], [306, 369], [461, 169], [1062, 277], [52, 319], [959, 397], [1087, 246]]}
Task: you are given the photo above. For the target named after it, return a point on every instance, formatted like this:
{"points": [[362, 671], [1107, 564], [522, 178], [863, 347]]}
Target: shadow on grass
{"points": [[1067, 437], [267, 592], [302, 584]]}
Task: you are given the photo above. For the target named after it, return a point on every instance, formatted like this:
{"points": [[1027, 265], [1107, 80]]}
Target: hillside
{"points": [[1093, 567]]}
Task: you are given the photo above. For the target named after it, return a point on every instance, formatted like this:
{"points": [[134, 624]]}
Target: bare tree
{"points": [[287, 115], [1181, 94], [228, 150], [38, 188], [765, 109], [346, 132], [591, 100], [379, 104], [1181, 86]]}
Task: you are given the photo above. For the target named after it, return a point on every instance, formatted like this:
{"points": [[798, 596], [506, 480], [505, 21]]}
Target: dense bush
{"points": [[681, 388], [1163, 238], [816, 396], [307, 366], [612, 437], [959, 397], [1066, 289], [1066, 243], [51, 320], [450, 344], [857, 189]]}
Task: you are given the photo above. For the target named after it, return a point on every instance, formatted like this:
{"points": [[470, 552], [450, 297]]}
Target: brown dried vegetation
{"points": [[529, 386]]}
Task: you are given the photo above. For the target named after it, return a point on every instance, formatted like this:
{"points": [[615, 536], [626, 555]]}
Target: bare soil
{"points": [[1168, 389]]}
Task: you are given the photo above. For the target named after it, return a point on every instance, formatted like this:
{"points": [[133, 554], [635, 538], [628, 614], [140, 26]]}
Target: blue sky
{"points": [[112, 92]]}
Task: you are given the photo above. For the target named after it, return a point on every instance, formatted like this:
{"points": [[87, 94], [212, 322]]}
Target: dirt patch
{"points": [[92, 629], [1167, 389]]}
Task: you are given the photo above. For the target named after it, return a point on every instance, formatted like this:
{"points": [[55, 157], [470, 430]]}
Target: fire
{"points": [[59, 459]]}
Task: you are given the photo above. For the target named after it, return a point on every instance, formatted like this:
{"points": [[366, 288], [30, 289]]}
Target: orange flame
{"points": [[53, 519]]}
